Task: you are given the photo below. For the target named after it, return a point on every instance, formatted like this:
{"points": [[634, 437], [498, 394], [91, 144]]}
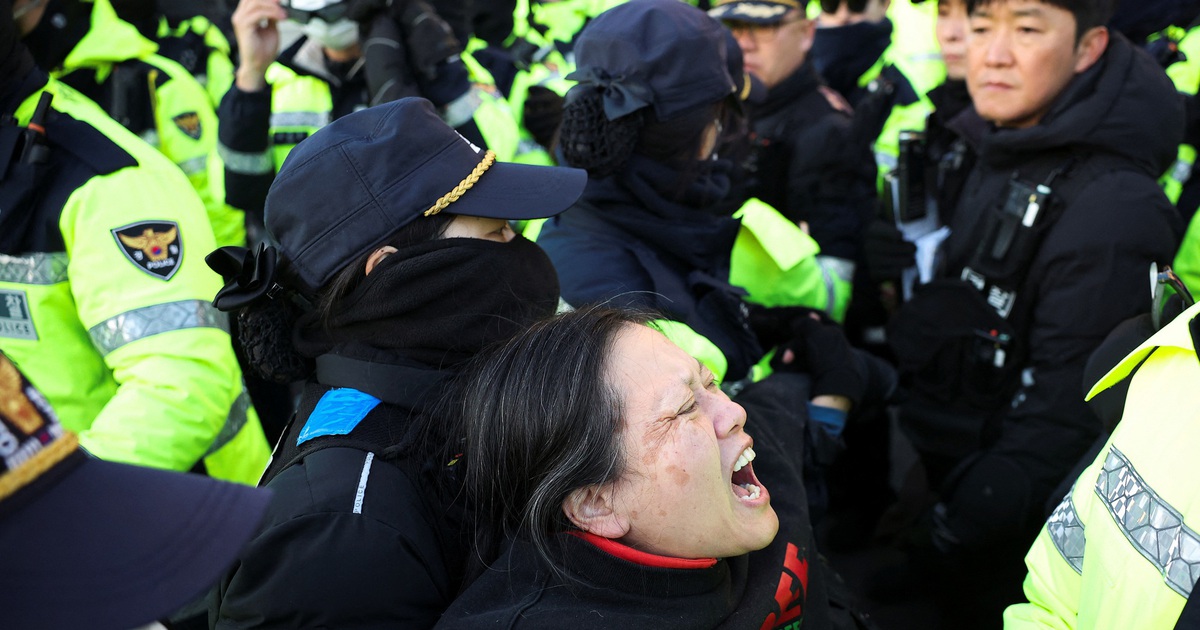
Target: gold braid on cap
{"points": [[489, 158], [41, 461]]}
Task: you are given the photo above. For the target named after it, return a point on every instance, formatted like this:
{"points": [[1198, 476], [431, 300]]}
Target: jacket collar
{"points": [[1180, 333], [109, 40]]}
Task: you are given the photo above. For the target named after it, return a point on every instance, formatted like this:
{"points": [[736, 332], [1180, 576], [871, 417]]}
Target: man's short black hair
{"points": [[1088, 13]]}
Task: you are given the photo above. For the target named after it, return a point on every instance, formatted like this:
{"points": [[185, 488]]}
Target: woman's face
{"points": [[479, 227], [952, 37], [683, 438]]}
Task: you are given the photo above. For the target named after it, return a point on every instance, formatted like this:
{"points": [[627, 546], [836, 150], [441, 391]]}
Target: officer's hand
{"points": [[888, 254], [823, 351], [429, 38], [254, 27]]}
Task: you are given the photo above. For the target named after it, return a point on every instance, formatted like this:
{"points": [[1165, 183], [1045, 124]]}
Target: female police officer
{"points": [[392, 264]]}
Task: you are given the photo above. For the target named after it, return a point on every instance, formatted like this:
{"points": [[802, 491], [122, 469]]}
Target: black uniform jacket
{"points": [[808, 165], [357, 535], [1090, 270]]}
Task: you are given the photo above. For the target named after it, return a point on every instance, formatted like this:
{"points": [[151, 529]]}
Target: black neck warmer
{"points": [[61, 28], [688, 219], [438, 303], [842, 54]]}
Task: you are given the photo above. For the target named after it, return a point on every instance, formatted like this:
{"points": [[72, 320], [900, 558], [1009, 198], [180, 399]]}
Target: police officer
{"points": [[855, 51], [85, 45], [103, 285], [1116, 552], [277, 102], [806, 162], [1047, 253]]}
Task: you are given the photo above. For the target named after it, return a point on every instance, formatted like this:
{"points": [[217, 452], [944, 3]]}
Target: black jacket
{"points": [[785, 585], [807, 164], [634, 240], [1110, 134], [358, 534]]}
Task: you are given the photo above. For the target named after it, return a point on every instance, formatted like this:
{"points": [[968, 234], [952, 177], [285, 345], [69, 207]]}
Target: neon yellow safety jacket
{"points": [[182, 123], [779, 264], [215, 71], [1122, 550], [1187, 261], [1186, 77], [114, 321]]}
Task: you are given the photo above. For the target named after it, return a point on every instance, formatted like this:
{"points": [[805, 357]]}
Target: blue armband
{"points": [[830, 419]]}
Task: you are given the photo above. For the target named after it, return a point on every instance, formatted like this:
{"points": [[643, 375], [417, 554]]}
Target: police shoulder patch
{"points": [[154, 246], [189, 123]]}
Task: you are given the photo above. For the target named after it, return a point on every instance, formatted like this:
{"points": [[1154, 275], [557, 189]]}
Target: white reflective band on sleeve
{"points": [[1153, 527], [462, 109], [194, 165], [233, 422], [314, 120], [34, 268], [362, 483], [1067, 532], [140, 323], [246, 163]]}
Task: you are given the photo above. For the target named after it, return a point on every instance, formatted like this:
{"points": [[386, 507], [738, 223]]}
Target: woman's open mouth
{"points": [[746, 487]]}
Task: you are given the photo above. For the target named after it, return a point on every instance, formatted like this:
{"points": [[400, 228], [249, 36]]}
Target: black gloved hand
{"points": [[429, 39], [385, 64], [365, 10], [888, 254], [543, 114], [822, 351], [772, 325]]}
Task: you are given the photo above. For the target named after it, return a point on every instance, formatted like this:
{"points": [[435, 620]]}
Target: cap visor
{"points": [[521, 191], [750, 12], [118, 546]]}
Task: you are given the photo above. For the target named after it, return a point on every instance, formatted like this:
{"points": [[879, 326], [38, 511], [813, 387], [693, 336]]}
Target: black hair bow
{"points": [[249, 275], [622, 95]]}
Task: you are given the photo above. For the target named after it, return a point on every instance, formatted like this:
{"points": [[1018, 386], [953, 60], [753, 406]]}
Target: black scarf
{"points": [[842, 54], [689, 219], [438, 303]]}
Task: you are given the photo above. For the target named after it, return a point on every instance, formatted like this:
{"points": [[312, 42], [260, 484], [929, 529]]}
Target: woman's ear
{"points": [[591, 509], [377, 257]]}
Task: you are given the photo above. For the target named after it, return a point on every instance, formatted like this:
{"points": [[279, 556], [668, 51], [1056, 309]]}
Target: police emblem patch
{"points": [[154, 246], [189, 123]]}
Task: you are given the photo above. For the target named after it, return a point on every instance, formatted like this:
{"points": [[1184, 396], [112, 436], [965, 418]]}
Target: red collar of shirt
{"points": [[643, 558]]}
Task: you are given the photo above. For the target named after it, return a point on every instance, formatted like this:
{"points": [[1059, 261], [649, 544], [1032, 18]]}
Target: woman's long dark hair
{"points": [[541, 420], [265, 329]]}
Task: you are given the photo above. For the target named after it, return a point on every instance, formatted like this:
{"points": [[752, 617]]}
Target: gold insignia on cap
{"points": [[489, 158]]}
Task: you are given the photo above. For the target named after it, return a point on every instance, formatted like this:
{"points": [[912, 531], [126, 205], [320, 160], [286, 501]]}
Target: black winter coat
{"points": [[808, 165], [358, 535], [1090, 271]]}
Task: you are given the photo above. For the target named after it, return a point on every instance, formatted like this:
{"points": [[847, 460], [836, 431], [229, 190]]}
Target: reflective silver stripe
{"points": [[194, 165], [362, 483], [1154, 527], [244, 162], [34, 268], [152, 320], [1067, 532], [832, 266], [462, 109], [233, 422], [300, 119]]}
